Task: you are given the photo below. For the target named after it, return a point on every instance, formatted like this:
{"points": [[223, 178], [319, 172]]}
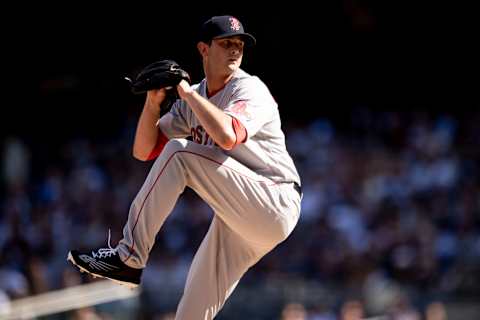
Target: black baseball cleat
{"points": [[106, 263]]}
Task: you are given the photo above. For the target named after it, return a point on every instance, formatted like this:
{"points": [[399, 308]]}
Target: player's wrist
{"points": [[155, 98], [190, 97], [153, 107]]}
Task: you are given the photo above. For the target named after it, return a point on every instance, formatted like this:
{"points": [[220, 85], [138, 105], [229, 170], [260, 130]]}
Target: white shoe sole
{"points": [[82, 269]]}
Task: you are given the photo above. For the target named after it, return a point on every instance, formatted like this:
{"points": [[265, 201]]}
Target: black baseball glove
{"points": [[160, 74]]}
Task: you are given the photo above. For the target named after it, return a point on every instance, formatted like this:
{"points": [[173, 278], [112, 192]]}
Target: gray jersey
{"points": [[247, 99]]}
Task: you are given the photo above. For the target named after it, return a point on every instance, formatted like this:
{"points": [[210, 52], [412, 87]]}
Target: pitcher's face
{"points": [[225, 54]]}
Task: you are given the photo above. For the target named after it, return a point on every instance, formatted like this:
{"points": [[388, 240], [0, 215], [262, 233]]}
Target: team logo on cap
{"points": [[234, 24]]}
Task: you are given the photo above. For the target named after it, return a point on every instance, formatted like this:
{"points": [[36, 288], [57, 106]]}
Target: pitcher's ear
{"points": [[202, 48]]}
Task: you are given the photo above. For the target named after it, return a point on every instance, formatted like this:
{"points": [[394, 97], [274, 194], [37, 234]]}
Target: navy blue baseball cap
{"points": [[224, 26]]}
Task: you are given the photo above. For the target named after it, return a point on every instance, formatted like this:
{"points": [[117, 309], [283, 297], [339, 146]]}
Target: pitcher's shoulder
{"points": [[244, 79]]}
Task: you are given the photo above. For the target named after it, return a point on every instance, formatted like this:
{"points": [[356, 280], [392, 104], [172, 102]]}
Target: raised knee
{"points": [[174, 145]]}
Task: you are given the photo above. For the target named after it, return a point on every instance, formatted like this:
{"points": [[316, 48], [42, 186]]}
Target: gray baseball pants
{"points": [[252, 215]]}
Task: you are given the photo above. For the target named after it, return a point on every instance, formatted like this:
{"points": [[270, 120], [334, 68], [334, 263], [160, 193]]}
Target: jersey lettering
{"points": [[199, 135]]}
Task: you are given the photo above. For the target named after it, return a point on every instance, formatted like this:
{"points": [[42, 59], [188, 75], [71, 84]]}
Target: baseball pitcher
{"points": [[236, 161]]}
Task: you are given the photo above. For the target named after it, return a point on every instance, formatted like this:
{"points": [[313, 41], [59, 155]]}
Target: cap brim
{"points": [[250, 40]]}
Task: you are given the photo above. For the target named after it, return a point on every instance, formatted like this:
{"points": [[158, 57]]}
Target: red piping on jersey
{"points": [[161, 142], [240, 131], [160, 173]]}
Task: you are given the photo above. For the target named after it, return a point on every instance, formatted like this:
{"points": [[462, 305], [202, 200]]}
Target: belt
{"points": [[297, 187]]}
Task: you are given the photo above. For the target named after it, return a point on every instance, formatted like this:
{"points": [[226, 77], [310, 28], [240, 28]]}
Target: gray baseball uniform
{"points": [[250, 188]]}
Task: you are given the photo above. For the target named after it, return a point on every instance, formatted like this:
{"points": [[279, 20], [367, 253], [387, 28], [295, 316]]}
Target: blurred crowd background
{"points": [[390, 221], [382, 126]]}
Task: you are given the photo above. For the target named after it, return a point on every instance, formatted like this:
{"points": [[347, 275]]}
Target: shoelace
{"points": [[105, 252]]}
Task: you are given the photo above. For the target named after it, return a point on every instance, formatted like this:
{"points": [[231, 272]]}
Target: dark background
{"points": [[376, 97], [64, 64]]}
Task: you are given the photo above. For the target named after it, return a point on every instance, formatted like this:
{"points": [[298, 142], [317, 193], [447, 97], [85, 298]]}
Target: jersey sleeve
{"points": [[174, 123], [252, 105]]}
